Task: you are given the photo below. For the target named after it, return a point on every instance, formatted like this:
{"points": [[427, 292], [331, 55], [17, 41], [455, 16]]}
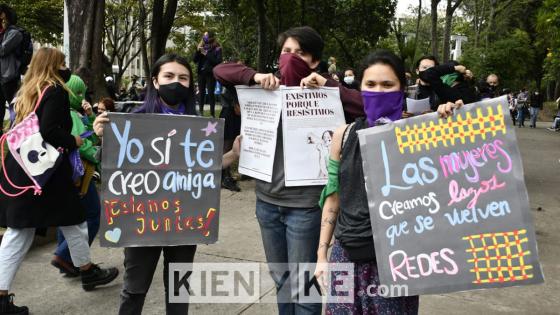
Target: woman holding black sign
{"points": [[344, 199], [169, 92]]}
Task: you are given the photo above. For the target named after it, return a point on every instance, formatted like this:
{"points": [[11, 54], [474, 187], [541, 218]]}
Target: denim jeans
{"points": [[91, 202], [520, 117], [290, 236], [534, 115]]}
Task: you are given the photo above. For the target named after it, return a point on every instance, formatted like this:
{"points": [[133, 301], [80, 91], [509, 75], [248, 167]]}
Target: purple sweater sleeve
{"points": [[234, 74]]}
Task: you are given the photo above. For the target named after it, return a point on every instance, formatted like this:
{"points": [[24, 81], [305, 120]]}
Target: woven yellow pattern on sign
{"points": [[459, 128], [499, 257]]}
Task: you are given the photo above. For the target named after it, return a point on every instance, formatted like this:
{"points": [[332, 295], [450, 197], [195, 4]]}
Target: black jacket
{"points": [[460, 91], [59, 203], [10, 41], [206, 63]]}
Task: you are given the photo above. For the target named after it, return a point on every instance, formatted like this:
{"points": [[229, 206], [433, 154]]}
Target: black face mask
{"points": [[173, 93], [65, 74]]}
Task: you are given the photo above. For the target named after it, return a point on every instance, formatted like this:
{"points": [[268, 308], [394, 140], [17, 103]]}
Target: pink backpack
{"points": [[37, 158]]}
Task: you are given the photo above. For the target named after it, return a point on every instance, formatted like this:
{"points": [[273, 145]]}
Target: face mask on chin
{"points": [[292, 69]]}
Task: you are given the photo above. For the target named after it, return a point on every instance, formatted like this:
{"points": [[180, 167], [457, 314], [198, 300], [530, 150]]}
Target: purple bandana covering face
{"points": [[382, 105]]}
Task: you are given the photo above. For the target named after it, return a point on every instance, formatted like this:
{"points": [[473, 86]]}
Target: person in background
{"points": [[349, 80], [332, 65], [111, 87], [493, 84], [59, 204], [10, 39], [231, 113], [447, 81], [536, 104], [208, 54], [423, 89], [105, 104], [82, 119], [135, 89], [556, 123], [512, 104], [522, 105]]}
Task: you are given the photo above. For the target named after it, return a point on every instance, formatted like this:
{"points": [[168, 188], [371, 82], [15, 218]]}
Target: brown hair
{"points": [[109, 104], [42, 72]]}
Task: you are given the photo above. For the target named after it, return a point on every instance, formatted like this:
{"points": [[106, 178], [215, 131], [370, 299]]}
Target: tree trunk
{"points": [[85, 19], [417, 35], [302, 22], [162, 21], [143, 41], [434, 36], [261, 36], [80, 21], [491, 17], [97, 83], [451, 7]]}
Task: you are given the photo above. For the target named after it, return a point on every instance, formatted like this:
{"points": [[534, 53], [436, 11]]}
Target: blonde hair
{"points": [[42, 72]]}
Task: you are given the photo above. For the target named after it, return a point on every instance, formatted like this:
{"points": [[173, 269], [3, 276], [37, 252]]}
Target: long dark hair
{"points": [[152, 102], [10, 13], [387, 58]]}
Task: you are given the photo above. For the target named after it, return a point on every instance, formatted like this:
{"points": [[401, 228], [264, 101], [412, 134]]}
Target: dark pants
{"points": [[206, 81], [228, 144], [91, 202], [7, 92], [140, 264]]}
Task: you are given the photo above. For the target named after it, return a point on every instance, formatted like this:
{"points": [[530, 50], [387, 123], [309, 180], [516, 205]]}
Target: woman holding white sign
{"points": [[170, 92]]}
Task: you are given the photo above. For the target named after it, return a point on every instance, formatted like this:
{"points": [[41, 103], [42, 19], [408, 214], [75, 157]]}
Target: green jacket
{"points": [[88, 150]]}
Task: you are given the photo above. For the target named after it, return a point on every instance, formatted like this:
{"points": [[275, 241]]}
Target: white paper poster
{"points": [[260, 115], [309, 119], [417, 106]]}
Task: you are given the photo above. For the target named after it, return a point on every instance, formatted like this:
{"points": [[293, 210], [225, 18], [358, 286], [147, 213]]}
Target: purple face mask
{"points": [[382, 105]]}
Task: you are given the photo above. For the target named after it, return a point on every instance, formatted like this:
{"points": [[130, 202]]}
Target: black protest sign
{"points": [[448, 203], [161, 179]]}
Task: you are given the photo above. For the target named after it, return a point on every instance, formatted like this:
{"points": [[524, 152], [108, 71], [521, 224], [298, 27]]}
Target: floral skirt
{"points": [[366, 299]]}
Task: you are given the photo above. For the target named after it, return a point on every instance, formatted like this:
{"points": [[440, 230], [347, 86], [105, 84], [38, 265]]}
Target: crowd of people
{"points": [[297, 224]]}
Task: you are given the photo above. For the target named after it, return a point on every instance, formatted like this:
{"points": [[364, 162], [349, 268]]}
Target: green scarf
{"points": [[449, 79]]}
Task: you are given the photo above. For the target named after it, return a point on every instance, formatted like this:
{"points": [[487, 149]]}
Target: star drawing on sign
{"points": [[210, 128]]}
